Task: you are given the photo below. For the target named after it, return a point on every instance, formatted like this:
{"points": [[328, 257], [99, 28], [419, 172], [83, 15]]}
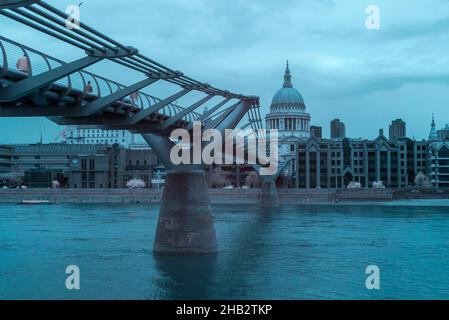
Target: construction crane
{"points": [[63, 135]]}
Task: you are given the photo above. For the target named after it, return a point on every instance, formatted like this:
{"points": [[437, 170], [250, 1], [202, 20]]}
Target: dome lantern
{"points": [[288, 78]]}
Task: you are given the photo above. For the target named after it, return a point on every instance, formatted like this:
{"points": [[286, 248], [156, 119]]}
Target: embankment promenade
{"points": [[217, 196]]}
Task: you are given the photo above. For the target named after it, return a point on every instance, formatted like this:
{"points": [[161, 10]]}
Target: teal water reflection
{"points": [[294, 252]]}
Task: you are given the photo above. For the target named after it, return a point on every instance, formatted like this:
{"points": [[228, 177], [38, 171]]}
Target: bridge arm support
{"points": [[208, 113], [156, 107], [185, 112], [213, 124], [233, 118]]}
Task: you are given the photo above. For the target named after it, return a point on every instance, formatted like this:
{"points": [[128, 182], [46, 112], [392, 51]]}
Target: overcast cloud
{"points": [[366, 78]]}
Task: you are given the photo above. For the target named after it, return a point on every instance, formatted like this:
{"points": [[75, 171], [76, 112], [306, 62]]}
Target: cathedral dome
{"points": [[287, 96]]}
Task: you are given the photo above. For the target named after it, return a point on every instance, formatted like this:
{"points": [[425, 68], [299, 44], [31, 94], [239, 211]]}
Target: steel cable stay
{"points": [[50, 20]]}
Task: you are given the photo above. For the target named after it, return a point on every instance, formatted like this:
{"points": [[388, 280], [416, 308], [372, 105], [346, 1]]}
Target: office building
{"points": [[316, 132], [338, 129], [398, 129]]}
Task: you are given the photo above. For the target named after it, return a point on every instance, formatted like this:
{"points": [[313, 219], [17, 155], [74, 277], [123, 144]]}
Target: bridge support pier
{"points": [[269, 195], [185, 224]]}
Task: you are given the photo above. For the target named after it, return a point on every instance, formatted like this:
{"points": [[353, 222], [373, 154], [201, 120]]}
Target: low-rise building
{"points": [[78, 165], [94, 136], [336, 163]]}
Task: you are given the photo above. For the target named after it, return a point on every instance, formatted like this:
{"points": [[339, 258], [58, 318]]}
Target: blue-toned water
{"points": [[295, 252]]}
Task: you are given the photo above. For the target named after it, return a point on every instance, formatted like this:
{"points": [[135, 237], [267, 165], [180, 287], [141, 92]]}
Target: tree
{"points": [[55, 184], [422, 180], [218, 178], [378, 185], [252, 180], [354, 185], [135, 184]]}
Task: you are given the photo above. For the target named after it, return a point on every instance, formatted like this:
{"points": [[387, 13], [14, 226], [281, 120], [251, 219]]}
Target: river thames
{"points": [[294, 252]]}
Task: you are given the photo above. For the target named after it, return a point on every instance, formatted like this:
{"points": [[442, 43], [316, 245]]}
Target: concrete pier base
{"points": [[269, 195], [185, 224]]}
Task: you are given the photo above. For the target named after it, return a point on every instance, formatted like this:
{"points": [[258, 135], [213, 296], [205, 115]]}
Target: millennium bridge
{"points": [[35, 84]]}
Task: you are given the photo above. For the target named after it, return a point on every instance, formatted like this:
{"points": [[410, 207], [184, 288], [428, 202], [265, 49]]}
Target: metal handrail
{"points": [[82, 73]]}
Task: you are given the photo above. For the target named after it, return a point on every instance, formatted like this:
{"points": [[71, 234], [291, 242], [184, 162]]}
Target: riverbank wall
{"points": [[217, 196]]}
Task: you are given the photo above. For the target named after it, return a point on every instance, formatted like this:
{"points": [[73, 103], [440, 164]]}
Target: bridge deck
{"points": [[70, 92]]}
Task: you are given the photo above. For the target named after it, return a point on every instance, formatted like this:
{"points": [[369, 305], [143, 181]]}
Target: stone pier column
{"points": [[269, 195], [185, 224]]}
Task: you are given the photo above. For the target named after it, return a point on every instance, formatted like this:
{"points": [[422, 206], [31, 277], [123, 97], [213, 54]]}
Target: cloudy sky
{"points": [[343, 70]]}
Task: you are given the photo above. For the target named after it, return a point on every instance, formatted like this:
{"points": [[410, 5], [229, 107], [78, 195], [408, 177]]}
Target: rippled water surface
{"points": [[295, 252]]}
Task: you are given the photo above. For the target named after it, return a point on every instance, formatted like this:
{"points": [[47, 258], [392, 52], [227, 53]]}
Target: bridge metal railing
{"points": [[37, 62]]}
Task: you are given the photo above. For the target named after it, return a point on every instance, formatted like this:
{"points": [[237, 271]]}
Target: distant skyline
{"points": [[366, 78]]}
